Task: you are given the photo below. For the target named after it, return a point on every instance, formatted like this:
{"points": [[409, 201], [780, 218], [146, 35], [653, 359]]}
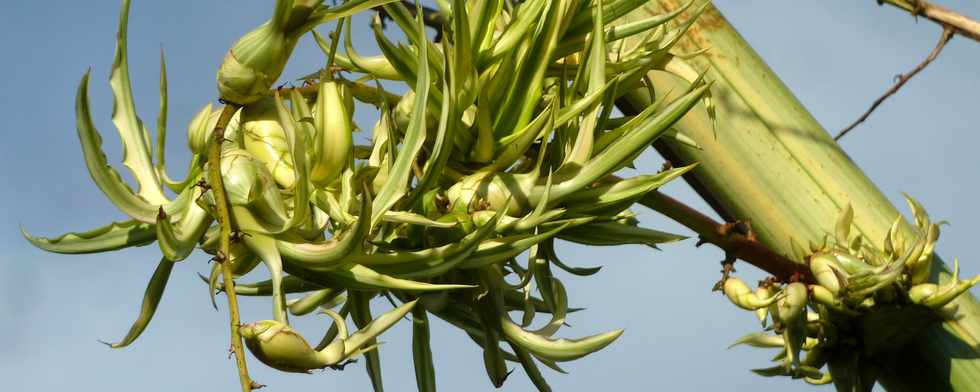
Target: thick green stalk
{"points": [[768, 161], [224, 220]]}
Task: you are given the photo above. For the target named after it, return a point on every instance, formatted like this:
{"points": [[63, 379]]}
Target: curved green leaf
{"points": [[132, 132], [411, 144], [116, 235], [151, 298], [613, 233]]}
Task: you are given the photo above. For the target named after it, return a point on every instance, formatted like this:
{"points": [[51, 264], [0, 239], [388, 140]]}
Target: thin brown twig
{"points": [[900, 81], [224, 221]]}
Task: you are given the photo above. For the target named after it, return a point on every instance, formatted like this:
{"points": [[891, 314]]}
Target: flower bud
{"points": [[793, 305], [280, 347], [202, 126], [764, 292], [334, 142], [828, 298], [742, 296], [825, 271], [265, 139], [254, 63], [850, 263], [935, 296], [920, 292], [245, 178], [492, 191]]}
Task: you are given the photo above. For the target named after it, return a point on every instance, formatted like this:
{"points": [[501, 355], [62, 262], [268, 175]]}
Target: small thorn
{"points": [[219, 257]]}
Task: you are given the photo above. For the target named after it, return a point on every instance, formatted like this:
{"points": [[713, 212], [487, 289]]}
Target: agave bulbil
{"points": [[506, 142], [862, 300]]}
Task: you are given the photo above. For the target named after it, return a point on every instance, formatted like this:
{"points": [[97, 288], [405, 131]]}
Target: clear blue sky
{"points": [[837, 56]]}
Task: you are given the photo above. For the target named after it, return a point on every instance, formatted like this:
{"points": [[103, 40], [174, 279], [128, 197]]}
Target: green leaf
{"points": [[359, 277], [425, 371], [760, 339], [530, 368], [552, 256], [117, 235], [399, 57], [613, 198], [516, 31], [323, 13], [265, 247], [432, 262], [132, 132], [610, 12], [505, 248], [290, 285], [375, 66], [151, 298], [177, 243], [613, 233], [401, 171], [524, 91], [360, 312], [414, 30], [571, 44], [108, 180], [611, 159], [312, 301], [559, 350], [596, 67], [443, 144], [324, 255], [296, 137]]}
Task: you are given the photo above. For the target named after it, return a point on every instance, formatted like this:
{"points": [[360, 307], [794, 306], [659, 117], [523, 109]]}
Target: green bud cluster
{"points": [[505, 144], [862, 301]]}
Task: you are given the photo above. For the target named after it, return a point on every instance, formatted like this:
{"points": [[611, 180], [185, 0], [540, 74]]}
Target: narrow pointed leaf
{"points": [[151, 298]]}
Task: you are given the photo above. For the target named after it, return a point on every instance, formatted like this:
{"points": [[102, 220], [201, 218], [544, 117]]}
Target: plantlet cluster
{"points": [[506, 142], [861, 301]]}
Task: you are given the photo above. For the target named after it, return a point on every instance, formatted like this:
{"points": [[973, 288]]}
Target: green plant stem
{"points": [[948, 19], [768, 161], [334, 40], [224, 221]]}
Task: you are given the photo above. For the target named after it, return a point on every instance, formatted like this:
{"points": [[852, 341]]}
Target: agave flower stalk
{"points": [[791, 188], [224, 220]]}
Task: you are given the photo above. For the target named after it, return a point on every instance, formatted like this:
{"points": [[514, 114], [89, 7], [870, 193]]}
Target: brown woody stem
{"points": [[948, 19], [736, 239]]}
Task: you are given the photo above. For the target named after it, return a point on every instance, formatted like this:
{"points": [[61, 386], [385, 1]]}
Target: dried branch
{"points": [[900, 81], [948, 19]]}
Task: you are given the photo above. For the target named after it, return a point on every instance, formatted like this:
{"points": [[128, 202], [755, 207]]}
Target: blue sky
{"points": [[837, 56]]}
